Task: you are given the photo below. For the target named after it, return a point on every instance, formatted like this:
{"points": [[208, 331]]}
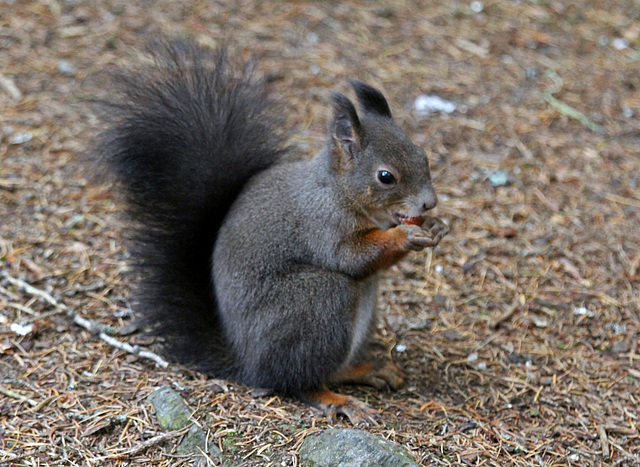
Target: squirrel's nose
{"points": [[429, 200]]}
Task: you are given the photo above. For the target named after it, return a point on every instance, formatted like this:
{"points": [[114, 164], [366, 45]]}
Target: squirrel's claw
{"points": [[437, 228], [417, 238], [357, 412], [380, 375], [333, 404], [391, 374]]}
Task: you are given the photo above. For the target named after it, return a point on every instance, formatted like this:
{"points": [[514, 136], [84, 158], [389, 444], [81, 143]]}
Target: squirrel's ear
{"points": [[345, 128], [370, 99]]}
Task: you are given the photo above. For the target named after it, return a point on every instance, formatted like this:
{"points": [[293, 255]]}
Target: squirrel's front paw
{"points": [[416, 238], [436, 228]]}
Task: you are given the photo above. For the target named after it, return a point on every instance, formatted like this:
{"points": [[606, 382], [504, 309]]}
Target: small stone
{"points": [[66, 68], [194, 442], [425, 105], [22, 137], [620, 43], [541, 323], [171, 410], [476, 6], [21, 329], [419, 324], [352, 448], [618, 328], [499, 178], [582, 311], [173, 413], [401, 348]]}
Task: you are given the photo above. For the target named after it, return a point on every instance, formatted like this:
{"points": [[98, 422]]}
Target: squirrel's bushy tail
{"points": [[184, 135]]}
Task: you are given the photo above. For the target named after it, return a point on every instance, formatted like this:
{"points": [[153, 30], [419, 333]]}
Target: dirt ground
{"points": [[519, 333]]}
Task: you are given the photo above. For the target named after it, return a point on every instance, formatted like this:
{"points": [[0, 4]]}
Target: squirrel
{"points": [[253, 265]]}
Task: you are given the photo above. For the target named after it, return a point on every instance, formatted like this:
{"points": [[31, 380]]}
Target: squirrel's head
{"points": [[376, 165]]}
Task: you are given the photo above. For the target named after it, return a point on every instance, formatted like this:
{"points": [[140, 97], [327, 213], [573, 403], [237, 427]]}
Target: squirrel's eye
{"points": [[386, 178]]}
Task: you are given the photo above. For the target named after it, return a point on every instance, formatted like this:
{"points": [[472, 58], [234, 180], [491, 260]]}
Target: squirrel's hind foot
{"points": [[378, 374], [333, 404]]}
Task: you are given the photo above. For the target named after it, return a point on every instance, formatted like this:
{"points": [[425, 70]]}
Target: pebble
{"points": [[425, 105], [618, 328], [21, 137], [20, 329], [476, 6], [581, 311], [66, 68], [401, 348], [352, 448], [499, 178], [620, 43]]}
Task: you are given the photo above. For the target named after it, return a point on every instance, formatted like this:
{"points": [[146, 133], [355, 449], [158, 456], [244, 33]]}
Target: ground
{"points": [[519, 333]]}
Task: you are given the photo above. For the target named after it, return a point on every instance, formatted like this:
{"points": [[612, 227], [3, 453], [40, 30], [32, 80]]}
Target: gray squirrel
{"points": [[253, 265]]}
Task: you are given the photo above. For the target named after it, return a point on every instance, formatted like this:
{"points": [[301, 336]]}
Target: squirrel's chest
{"points": [[364, 316]]}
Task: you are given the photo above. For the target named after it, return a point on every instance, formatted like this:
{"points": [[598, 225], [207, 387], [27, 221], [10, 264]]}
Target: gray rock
{"points": [[171, 409], [173, 414], [66, 68], [194, 441], [352, 448]]}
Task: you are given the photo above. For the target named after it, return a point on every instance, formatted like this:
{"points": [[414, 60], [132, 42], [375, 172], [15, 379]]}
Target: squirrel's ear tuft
{"points": [[371, 100], [345, 128]]}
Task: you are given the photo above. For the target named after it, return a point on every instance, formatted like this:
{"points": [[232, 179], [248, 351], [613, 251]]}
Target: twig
{"points": [[133, 349], [6, 456], [515, 306], [32, 290], [10, 87], [566, 109], [604, 442], [15, 395], [100, 330], [146, 444]]}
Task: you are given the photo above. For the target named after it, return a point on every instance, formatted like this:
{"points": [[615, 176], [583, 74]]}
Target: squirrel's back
{"points": [[184, 135]]}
